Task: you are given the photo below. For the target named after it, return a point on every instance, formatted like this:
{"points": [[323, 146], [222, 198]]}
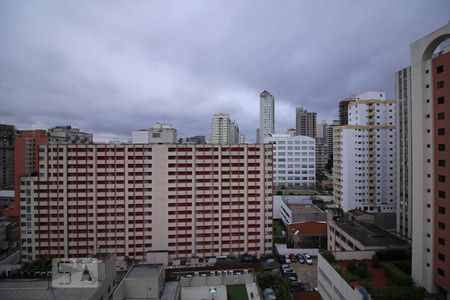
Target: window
{"points": [[440, 84], [441, 210], [441, 225], [441, 241], [441, 194], [440, 100], [441, 147], [441, 178], [441, 131], [441, 116], [441, 272], [440, 69], [441, 163], [441, 256]]}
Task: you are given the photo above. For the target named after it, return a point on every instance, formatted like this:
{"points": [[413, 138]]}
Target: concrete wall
{"points": [[332, 285]]}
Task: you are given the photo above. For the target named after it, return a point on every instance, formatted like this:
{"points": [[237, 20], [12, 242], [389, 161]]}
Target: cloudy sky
{"points": [[111, 67]]}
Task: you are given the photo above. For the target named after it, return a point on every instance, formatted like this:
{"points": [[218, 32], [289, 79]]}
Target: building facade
{"points": [[294, 160], [26, 161], [343, 109], [305, 122], [68, 135], [364, 156], [266, 115], [429, 168], [404, 160], [132, 199], [7, 135]]}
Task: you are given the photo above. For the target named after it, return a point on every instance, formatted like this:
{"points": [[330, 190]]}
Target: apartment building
{"points": [[364, 157], [294, 160], [224, 130], [429, 172], [135, 199], [26, 161], [266, 115], [305, 122]]}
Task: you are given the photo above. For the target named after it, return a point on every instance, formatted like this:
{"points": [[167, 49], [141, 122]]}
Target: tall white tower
{"points": [[266, 115], [364, 157]]}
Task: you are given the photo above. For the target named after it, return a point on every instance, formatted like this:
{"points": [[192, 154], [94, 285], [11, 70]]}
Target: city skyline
{"points": [[97, 70]]}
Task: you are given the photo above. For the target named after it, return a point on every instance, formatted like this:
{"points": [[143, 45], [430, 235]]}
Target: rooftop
{"points": [[32, 289], [309, 228], [304, 208], [145, 270], [372, 235]]}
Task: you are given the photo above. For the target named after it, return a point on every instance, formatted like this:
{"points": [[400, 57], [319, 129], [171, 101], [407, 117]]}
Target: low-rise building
{"points": [[296, 209], [68, 135], [159, 133], [347, 232], [309, 234]]}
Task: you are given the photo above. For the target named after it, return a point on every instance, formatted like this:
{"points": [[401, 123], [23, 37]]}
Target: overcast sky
{"points": [[111, 67]]}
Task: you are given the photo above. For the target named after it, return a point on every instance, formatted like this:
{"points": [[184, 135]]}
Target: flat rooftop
{"points": [[304, 208], [145, 270], [39, 289], [371, 235]]}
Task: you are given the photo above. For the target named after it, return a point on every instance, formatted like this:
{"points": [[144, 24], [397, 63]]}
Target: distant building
{"points": [[305, 122], [7, 134], [6, 200], [364, 155], [321, 129], [241, 139], [266, 115], [197, 139], [343, 109], [321, 155], [159, 133], [26, 161], [224, 130], [294, 160], [68, 135], [234, 132]]}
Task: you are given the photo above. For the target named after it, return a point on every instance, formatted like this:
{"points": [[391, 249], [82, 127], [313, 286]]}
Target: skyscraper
{"points": [[305, 122], [266, 115], [429, 124], [364, 156]]}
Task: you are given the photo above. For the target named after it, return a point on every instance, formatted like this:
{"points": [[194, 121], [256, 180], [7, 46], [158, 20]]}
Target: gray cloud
{"points": [[112, 67]]}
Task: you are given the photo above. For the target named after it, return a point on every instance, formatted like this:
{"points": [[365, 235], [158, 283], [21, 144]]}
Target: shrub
{"points": [[393, 254], [375, 261], [362, 272], [351, 266], [396, 276], [328, 256], [362, 265]]}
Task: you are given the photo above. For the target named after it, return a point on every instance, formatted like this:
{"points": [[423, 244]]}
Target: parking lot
{"points": [[307, 273]]}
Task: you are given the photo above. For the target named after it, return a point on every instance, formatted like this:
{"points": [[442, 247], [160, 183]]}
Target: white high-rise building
{"points": [[266, 115], [220, 129], [294, 159], [224, 130], [364, 165]]}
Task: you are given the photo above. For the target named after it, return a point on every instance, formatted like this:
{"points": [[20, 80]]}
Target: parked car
{"points": [[289, 271], [301, 259], [308, 259], [287, 260], [293, 258]]}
